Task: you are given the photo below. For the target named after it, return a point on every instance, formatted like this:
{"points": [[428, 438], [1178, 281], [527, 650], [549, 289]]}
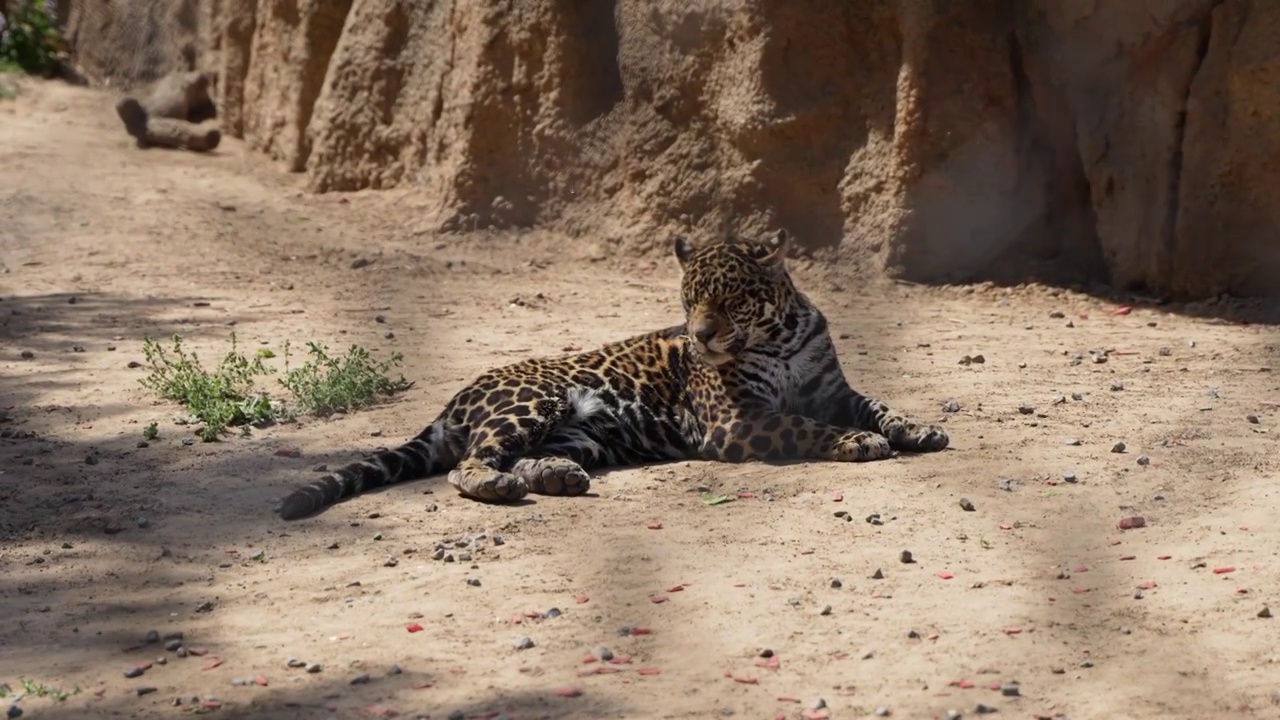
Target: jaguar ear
{"points": [[683, 249], [775, 248]]}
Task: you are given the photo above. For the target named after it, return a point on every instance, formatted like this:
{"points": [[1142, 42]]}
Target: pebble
{"points": [[1010, 690], [601, 652], [984, 709], [134, 672], [524, 642], [1117, 386], [553, 613], [1069, 476], [473, 581], [826, 610], [314, 668], [1026, 409], [395, 670], [294, 663], [1265, 612], [1007, 485], [361, 679], [151, 638], [1118, 447], [457, 715], [1073, 441], [954, 715], [1144, 460], [967, 505], [817, 704], [906, 557], [1252, 419], [14, 711], [172, 645], [951, 406], [878, 574], [883, 711]]}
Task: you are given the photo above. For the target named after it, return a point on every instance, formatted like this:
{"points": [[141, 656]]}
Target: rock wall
{"points": [[933, 140]]}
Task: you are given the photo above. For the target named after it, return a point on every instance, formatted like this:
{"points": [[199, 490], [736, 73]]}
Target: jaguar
{"points": [[750, 375]]}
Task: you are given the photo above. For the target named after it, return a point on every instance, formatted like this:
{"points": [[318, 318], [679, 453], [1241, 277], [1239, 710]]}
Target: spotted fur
{"points": [[751, 375]]}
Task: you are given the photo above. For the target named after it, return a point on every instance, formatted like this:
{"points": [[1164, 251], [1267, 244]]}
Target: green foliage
{"points": [[221, 399], [325, 384], [227, 397], [151, 431], [29, 38], [38, 689]]}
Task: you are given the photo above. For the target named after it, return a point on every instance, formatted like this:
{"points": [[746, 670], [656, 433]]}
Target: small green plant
{"points": [[227, 397], [35, 689], [29, 37], [221, 399], [324, 384]]}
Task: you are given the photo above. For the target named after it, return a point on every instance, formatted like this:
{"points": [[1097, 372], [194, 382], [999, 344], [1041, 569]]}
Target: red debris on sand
{"points": [[658, 599], [945, 575], [213, 663], [414, 628], [769, 663], [1122, 310], [581, 599], [655, 525], [745, 679], [1223, 570], [567, 692], [1130, 523], [649, 671]]}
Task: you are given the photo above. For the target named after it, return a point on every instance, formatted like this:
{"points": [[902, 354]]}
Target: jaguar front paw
{"points": [[862, 447], [916, 437]]}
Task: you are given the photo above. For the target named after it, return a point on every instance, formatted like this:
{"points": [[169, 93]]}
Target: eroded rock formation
{"points": [[929, 139]]}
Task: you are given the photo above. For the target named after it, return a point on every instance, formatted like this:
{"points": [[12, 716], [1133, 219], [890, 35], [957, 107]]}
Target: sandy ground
{"points": [[1034, 603]]}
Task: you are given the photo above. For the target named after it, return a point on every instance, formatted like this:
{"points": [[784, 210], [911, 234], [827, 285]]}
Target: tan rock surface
{"points": [[930, 140]]}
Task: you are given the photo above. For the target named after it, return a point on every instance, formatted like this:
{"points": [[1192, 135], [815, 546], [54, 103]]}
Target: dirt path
{"points": [[1034, 593]]}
